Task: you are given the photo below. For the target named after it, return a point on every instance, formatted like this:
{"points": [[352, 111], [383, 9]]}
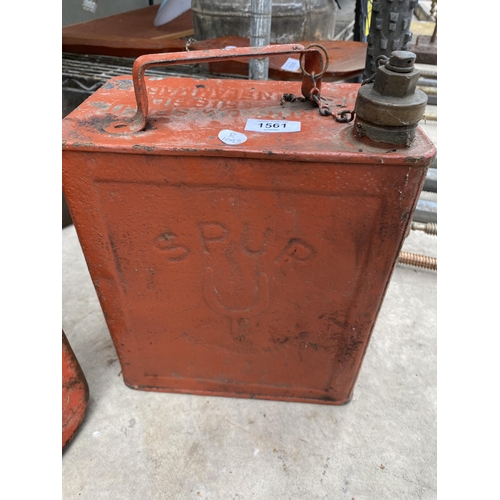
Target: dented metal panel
{"points": [[251, 270]]}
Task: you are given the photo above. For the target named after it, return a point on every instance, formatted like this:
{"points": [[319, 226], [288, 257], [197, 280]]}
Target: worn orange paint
{"points": [[75, 393], [256, 270]]}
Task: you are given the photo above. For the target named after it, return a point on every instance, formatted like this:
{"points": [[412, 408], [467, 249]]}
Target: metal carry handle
{"points": [[312, 61]]}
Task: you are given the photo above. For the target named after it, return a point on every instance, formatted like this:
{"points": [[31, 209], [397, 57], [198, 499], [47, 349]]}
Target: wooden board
{"points": [[130, 34]]}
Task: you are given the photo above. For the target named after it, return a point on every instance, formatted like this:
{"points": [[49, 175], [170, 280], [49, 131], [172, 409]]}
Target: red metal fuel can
{"points": [[75, 393], [240, 241]]}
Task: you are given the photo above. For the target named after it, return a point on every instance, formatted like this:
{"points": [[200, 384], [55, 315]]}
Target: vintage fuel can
{"points": [[240, 234], [75, 393]]}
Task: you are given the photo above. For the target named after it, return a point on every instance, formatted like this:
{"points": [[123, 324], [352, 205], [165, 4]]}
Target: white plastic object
{"points": [[170, 9]]}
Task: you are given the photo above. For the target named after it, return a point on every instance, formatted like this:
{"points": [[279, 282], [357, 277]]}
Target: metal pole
{"points": [[260, 35]]}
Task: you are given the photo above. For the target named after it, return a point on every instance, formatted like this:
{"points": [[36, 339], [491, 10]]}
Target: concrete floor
{"points": [[143, 445]]}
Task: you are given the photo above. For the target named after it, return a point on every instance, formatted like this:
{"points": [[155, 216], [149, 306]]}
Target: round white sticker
{"points": [[231, 137]]}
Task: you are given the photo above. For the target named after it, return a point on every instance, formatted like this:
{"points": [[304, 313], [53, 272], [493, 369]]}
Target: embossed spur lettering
{"points": [[166, 241], [297, 249], [212, 232], [251, 242], [245, 243]]}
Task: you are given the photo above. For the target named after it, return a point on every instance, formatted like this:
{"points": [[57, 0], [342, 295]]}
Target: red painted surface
{"points": [[75, 393], [255, 270]]}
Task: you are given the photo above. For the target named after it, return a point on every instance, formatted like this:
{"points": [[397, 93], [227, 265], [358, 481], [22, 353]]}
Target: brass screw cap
{"points": [[389, 109]]}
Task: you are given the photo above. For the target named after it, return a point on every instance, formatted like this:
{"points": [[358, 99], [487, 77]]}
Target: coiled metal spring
{"points": [[416, 260], [427, 227]]}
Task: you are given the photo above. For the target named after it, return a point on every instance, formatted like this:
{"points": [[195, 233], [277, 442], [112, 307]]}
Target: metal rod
{"points": [[347, 33], [427, 205], [427, 82], [260, 36], [426, 227], [430, 116], [416, 260], [428, 90], [427, 70]]}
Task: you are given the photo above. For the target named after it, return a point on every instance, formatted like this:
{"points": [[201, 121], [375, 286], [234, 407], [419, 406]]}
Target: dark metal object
{"points": [[430, 184], [427, 82], [425, 211], [389, 109], [360, 20], [432, 100]]}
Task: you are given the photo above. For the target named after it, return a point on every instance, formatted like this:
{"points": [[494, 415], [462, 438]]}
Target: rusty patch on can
{"points": [[414, 159], [143, 148], [100, 105]]}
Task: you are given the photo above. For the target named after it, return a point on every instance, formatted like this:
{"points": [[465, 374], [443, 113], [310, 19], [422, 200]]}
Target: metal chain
{"points": [[291, 98], [378, 62], [190, 42], [344, 116]]}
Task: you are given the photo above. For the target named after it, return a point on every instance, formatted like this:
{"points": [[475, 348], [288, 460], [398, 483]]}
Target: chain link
{"points": [[190, 42], [379, 61], [344, 116]]}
